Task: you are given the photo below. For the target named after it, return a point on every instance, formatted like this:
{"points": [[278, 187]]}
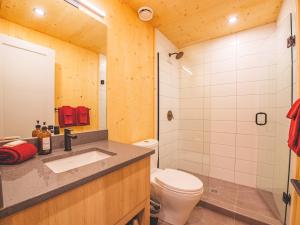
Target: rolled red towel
{"points": [[12, 154], [294, 132], [66, 116], [83, 116]]}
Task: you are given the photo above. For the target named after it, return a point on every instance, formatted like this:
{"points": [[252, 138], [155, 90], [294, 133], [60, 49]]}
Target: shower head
{"points": [[178, 54]]}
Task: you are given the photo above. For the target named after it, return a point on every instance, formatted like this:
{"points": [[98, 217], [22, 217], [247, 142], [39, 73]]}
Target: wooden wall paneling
{"points": [[189, 22], [295, 209], [130, 71], [112, 199]]}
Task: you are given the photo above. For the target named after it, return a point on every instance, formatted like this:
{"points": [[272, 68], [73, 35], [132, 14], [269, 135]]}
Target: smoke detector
{"points": [[145, 13]]}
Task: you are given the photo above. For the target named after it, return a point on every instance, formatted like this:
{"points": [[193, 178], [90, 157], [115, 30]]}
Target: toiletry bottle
{"points": [[44, 140], [56, 130], [37, 129], [51, 128]]}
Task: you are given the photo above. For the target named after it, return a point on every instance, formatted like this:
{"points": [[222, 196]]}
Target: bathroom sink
{"points": [[76, 159]]}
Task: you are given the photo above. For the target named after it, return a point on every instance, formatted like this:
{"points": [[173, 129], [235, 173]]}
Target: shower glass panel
{"points": [[273, 158]]}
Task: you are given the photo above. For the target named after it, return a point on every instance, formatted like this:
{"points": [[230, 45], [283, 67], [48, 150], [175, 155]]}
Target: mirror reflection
{"points": [[52, 67]]}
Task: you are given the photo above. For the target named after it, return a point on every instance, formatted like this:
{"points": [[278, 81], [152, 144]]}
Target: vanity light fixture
{"points": [[232, 19], [88, 8], [187, 70], [39, 12]]}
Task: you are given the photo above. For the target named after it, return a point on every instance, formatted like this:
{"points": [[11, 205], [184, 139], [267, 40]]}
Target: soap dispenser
{"points": [[37, 129], [44, 140]]}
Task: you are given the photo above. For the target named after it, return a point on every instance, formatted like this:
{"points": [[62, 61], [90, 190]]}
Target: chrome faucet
{"points": [[68, 137]]}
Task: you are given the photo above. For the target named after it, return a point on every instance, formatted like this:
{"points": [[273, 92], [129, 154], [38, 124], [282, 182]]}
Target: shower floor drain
{"points": [[214, 190]]}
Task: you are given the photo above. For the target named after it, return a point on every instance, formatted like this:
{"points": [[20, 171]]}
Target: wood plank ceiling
{"points": [[61, 21], [186, 22]]}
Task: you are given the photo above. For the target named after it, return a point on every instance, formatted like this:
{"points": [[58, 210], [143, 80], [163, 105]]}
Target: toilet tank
{"points": [[152, 144]]}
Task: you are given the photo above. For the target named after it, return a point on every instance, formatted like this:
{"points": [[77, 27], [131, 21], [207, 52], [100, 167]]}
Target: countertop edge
{"points": [[43, 197]]}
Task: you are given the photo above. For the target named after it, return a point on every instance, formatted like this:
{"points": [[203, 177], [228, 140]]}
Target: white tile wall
{"points": [[169, 100], [235, 80]]}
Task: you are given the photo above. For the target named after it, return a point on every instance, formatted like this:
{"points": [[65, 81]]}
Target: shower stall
{"points": [[228, 98]]}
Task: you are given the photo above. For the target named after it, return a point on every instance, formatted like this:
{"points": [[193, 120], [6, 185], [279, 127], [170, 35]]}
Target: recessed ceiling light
{"points": [[232, 19], [39, 12]]}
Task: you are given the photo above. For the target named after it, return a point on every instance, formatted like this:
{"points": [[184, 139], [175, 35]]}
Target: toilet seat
{"points": [[178, 181]]}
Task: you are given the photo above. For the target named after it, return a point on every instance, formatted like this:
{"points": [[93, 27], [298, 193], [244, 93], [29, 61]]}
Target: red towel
{"points": [[294, 133], [17, 154], [83, 116], [66, 116]]}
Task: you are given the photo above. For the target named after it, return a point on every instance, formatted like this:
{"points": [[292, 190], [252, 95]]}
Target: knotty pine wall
{"points": [[130, 73], [295, 197], [295, 217]]}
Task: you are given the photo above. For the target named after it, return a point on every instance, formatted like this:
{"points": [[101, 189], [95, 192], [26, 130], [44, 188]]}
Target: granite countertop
{"points": [[31, 182]]}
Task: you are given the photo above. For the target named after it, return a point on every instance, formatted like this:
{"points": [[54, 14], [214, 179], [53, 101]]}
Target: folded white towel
{"points": [[14, 143], [9, 138]]}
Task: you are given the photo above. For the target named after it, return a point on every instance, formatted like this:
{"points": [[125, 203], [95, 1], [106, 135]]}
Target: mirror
{"points": [[51, 55]]}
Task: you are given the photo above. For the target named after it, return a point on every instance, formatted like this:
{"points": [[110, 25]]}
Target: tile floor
{"points": [[241, 199]]}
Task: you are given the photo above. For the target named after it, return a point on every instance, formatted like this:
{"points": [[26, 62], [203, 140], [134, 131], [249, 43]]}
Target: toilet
{"points": [[178, 192]]}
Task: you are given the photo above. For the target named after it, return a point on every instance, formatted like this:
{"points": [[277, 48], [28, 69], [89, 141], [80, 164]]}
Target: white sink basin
{"points": [[75, 161]]}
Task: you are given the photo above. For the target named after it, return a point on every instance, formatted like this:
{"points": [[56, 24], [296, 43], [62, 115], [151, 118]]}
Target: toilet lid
{"points": [[179, 181]]}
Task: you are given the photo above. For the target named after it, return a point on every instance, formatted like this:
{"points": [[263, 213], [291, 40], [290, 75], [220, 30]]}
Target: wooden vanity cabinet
{"points": [[112, 199]]}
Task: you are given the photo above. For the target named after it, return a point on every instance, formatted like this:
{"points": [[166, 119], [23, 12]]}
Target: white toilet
{"points": [[178, 192]]}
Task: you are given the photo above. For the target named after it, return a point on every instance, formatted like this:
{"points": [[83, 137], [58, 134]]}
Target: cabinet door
{"points": [[27, 86]]}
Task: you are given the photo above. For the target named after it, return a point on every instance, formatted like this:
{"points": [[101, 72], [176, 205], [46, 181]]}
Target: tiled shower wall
{"points": [[233, 79], [214, 131], [168, 95]]}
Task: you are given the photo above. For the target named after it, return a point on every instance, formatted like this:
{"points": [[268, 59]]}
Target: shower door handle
{"points": [[261, 118]]}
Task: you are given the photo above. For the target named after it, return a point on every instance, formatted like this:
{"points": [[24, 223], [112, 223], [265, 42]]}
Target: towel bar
{"points": [[56, 109]]}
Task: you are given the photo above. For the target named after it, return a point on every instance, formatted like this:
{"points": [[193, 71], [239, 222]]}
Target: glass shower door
{"points": [[273, 167]]}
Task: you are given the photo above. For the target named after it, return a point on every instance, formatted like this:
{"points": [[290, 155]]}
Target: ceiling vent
{"points": [[145, 13]]}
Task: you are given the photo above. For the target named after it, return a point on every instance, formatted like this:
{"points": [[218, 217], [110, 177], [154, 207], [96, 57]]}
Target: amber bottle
{"points": [[44, 140], [37, 129]]}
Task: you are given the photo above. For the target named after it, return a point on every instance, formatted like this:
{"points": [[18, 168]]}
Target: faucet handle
{"points": [[66, 130], [68, 134]]}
